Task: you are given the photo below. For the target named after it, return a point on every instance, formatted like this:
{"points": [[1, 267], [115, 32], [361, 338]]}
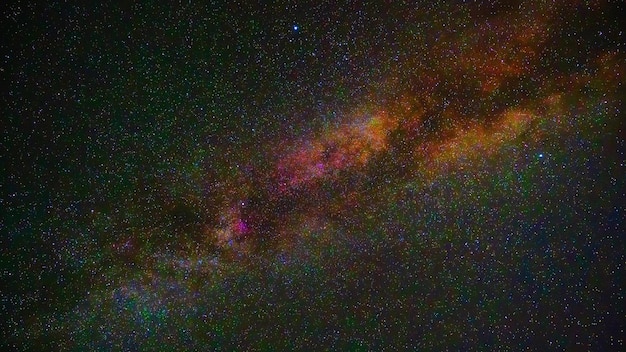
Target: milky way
{"points": [[399, 176]]}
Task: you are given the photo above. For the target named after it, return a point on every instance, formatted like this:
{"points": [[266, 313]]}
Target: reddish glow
{"points": [[241, 227], [350, 145]]}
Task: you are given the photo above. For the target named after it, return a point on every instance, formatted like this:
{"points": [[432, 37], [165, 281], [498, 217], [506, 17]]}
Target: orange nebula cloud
{"points": [[350, 145]]}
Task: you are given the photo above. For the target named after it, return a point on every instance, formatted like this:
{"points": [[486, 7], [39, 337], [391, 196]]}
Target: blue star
{"points": [[295, 27]]}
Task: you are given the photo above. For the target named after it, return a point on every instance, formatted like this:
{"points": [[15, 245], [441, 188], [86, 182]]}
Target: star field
{"points": [[313, 176]]}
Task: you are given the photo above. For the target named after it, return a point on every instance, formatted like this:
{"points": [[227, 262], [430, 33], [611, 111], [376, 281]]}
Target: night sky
{"points": [[354, 176]]}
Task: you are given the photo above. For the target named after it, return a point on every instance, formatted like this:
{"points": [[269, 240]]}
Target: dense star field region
{"points": [[350, 176]]}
